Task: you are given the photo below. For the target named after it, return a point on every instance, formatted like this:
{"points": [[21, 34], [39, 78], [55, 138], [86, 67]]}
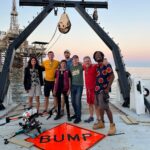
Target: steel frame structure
{"points": [[80, 6]]}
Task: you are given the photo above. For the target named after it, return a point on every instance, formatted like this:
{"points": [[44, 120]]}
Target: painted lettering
{"points": [[75, 137], [45, 139], [60, 140], [85, 136]]}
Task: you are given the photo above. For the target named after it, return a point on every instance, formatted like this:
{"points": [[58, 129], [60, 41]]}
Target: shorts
{"points": [[35, 91], [90, 96], [101, 101], [48, 87]]}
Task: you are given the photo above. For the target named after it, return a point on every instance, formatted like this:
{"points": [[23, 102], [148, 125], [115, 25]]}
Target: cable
{"points": [[49, 42], [52, 37], [55, 41]]}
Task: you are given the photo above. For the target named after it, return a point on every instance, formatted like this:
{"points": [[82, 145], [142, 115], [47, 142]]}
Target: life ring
{"points": [[147, 92]]}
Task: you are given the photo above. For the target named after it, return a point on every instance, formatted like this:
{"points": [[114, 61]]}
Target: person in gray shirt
{"points": [[76, 87]]}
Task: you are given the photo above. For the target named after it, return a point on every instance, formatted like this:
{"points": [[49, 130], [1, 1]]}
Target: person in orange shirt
{"points": [[50, 66]]}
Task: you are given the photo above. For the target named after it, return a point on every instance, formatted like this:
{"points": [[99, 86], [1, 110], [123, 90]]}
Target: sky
{"points": [[126, 21]]}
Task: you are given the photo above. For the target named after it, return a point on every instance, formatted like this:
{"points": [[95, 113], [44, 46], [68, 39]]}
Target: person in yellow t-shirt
{"points": [[50, 66]]}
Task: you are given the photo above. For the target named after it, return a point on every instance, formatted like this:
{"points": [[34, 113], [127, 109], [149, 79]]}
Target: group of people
{"points": [[65, 77]]}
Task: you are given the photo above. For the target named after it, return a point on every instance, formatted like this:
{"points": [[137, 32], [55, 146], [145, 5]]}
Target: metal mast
{"points": [[14, 27]]}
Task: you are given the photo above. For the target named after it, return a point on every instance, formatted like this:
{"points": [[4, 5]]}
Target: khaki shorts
{"points": [[35, 91], [100, 102]]}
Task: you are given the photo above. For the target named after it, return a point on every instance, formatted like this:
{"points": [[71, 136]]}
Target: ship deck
{"points": [[130, 137]]}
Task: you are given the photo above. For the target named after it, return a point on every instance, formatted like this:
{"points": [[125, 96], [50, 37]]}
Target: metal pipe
{"points": [[86, 4]]}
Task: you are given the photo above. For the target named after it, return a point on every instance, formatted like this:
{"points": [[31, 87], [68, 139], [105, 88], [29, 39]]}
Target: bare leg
{"points": [[100, 117], [30, 101], [97, 110], [112, 129], [46, 103], [109, 114], [102, 114], [37, 103], [91, 109]]}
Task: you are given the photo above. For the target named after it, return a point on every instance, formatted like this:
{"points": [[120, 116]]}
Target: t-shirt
{"points": [[102, 77], [69, 63], [77, 74], [61, 80], [34, 77], [90, 76], [50, 68]]}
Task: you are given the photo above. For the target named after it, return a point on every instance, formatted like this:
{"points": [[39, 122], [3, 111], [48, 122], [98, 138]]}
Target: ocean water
{"points": [[142, 72], [138, 72]]}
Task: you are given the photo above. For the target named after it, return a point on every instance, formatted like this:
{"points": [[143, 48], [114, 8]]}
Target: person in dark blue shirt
{"points": [[67, 55], [104, 79]]}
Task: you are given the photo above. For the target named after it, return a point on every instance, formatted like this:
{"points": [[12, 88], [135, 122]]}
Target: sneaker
{"points": [[77, 120], [57, 117], [44, 112], [69, 119], [90, 119], [55, 112], [29, 108], [62, 112], [73, 117], [98, 125]]}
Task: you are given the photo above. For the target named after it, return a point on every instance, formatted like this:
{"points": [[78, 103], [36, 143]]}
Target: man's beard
{"points": [[67, 57]]}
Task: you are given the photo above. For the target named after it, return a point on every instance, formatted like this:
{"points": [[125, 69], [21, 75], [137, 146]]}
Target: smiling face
{"points": [[99, 57], [63, 65], [67, 55], [87, 61], [75, 61], [33, 62], [51, 55]]}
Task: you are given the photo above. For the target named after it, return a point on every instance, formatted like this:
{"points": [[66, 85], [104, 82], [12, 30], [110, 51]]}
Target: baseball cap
{"points": [[75, 56], [66, 51]]}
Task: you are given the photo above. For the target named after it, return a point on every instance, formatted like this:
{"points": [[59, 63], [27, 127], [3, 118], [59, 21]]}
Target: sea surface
{"points": [[136, 72], [142, 72]]}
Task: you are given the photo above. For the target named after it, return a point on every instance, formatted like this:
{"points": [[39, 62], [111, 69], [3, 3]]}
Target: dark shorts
{"points": [[48, 87], [101, 101]]}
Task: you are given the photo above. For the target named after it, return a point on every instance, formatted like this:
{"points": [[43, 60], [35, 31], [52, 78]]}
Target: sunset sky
{"points": [[127, 21]]}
